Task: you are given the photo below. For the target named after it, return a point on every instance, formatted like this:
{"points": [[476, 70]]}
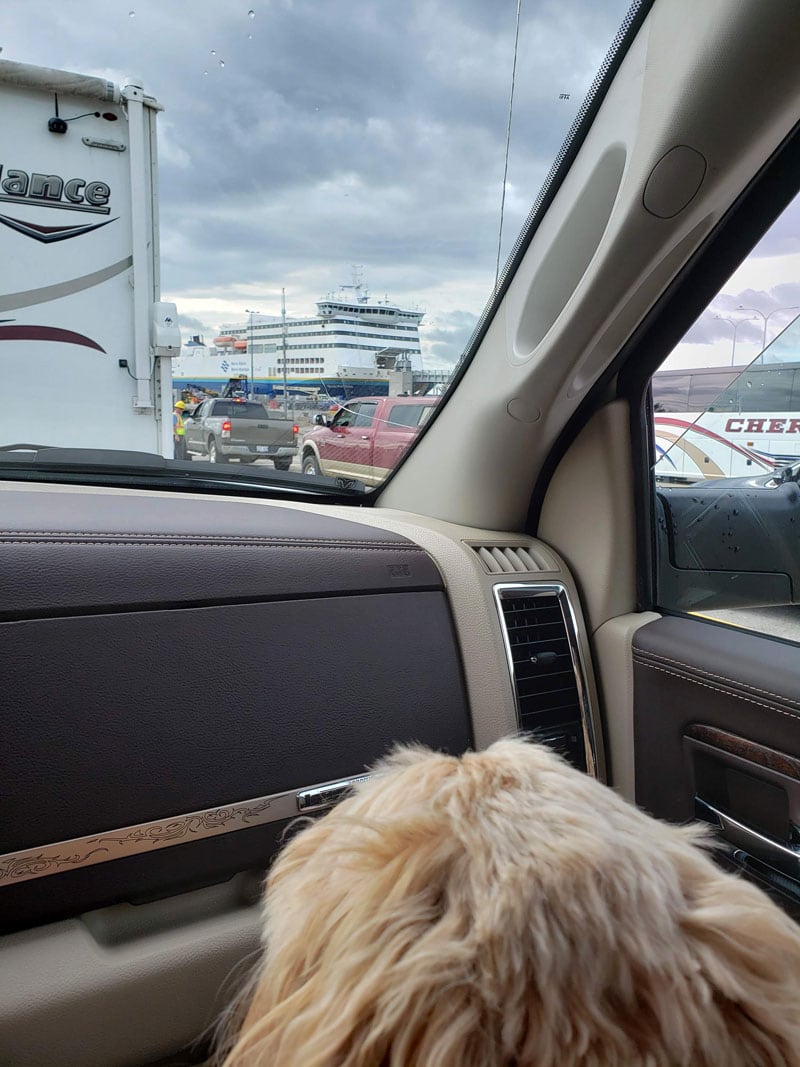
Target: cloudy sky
{"points": [[759, 301], [335, 134], [317, 134]]}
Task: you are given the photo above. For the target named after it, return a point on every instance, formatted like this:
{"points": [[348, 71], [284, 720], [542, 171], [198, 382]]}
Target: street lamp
{"points": [[283, 332], [735, 324], [766, 318], [250, 349]]}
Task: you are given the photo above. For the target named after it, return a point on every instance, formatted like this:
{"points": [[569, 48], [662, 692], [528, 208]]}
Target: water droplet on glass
{"points": [[213, 51], [205, 73], [249, 37], [222, 62], [131, 14], [251, 14]]}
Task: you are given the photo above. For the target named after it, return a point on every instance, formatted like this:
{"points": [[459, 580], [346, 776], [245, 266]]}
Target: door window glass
{"points": [[405, 414], [346, 416], [365, 414], [726, 434]]}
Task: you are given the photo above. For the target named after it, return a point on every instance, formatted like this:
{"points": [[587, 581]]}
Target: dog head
{"points": [[505, 909]]}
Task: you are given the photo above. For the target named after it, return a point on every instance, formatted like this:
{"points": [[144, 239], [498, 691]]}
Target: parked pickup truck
{"points": [[366, 437], [240, 429]]}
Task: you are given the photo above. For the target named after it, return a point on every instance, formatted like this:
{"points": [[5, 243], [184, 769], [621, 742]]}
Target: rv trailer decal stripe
{"points": [[14, 301], [48, 234], [47, 333]]}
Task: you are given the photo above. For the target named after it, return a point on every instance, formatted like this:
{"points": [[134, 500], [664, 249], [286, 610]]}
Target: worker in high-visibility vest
{"points": [[179, 430]]}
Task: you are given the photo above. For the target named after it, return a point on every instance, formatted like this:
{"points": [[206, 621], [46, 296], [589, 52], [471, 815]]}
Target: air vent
{"points": [[542, 649], [511, 559]]}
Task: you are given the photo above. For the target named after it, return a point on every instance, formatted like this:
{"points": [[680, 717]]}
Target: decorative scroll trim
{"points": [[21, 866]]}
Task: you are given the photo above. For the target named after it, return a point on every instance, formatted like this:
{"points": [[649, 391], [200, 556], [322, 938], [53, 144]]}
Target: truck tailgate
{"points": [[253, 426]]}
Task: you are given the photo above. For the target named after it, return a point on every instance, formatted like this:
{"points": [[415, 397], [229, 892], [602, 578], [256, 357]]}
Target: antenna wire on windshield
{"points": [[508, 145]]}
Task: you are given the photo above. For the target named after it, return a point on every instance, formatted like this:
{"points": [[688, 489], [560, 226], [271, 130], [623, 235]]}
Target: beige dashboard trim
{"points": [[614, 660]]}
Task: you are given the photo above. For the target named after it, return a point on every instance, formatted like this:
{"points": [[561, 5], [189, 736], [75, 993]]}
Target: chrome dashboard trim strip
{"points": [[146, 837], [532, 589]]}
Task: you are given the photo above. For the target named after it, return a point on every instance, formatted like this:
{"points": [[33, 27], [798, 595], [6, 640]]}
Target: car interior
{"points": [[185, 671]]}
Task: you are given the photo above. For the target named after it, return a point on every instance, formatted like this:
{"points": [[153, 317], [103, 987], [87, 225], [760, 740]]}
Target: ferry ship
{"points": [[352, 347]]}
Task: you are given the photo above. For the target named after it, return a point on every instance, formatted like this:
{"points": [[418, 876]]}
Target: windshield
{"points": [[300, 205]]}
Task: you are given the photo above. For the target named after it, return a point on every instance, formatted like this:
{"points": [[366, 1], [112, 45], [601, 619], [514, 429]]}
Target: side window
{"points": [[345, 416], [406, 415], [726, 435], [365, 414]]}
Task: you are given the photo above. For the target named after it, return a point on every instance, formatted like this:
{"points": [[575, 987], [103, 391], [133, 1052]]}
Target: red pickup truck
{"points": [[367, 437]]}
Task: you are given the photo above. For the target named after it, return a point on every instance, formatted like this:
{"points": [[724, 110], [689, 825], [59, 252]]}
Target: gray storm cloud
{"points": [[778, 305]]}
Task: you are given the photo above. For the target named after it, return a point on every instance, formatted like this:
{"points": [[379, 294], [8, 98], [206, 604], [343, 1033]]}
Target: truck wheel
{"points": [[311, 464], [283, 463], [214, 454]]}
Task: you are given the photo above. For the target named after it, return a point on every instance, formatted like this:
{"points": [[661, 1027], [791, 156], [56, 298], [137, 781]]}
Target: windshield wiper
{"points": [[99, 463]]}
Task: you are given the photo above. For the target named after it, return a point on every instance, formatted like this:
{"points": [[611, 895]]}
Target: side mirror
{"points": [[319, 420]]}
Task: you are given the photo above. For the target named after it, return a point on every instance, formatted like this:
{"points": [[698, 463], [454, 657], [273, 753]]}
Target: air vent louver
{"points": [[540, 650], [510, 559]]}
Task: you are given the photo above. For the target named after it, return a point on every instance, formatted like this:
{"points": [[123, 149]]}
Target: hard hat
{"points": [[180, 404]]}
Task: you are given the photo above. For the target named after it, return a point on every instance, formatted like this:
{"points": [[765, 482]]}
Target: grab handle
{"points": [[782, 857]]}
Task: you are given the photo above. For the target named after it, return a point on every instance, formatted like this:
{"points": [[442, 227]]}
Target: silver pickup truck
{"points": [[240, 429]]}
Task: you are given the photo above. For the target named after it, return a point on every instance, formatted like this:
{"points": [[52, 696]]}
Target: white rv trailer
{"points": [[78, 223]]}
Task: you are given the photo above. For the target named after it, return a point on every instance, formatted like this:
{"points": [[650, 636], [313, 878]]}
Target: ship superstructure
{"points": [[349, 348]]}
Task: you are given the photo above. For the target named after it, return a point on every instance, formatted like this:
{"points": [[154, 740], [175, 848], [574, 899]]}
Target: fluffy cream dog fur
{"points": [[504, 909]]}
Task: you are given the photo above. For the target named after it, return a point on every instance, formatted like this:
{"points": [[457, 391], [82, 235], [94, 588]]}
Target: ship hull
{"points": [[318, 387]]}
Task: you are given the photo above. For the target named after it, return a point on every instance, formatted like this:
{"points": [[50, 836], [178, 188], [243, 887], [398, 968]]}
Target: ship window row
{"points": [[368, 311], [260, 350], [361, 348], [338, 333], [320, 330], [242, 332], [298, 364]]}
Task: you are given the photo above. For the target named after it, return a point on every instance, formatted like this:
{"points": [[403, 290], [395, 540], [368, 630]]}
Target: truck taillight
{"points": [[226, 428], [295, 429]]}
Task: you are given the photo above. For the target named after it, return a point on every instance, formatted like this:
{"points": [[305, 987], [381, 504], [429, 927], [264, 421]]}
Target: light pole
{"points": [[250, 349], [283, 332], [766, 318], [735, 325]]}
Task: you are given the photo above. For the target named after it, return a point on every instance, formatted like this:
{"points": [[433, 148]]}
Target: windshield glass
{"points": [[290, 203]]}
